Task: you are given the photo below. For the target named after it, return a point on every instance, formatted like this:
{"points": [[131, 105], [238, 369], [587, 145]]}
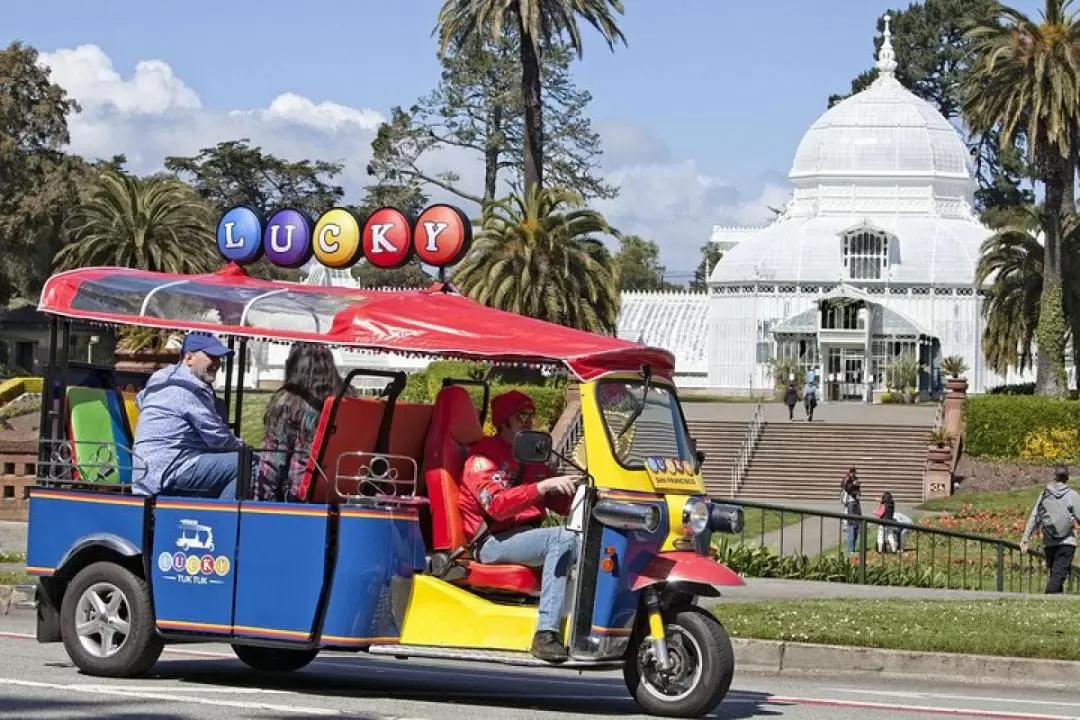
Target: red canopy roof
{"points": [[435, 322]]}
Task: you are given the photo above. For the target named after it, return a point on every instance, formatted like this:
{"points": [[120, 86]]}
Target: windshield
{"points": [[658, 430]]}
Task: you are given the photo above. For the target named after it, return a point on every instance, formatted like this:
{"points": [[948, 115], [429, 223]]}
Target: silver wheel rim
{"points": [[686, 657], [103, 620]]}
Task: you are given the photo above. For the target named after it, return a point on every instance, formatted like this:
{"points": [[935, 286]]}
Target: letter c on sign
{"points": [[337, 238]]}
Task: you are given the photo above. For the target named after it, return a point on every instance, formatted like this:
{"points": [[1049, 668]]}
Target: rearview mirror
{"points": [[532, 446]]}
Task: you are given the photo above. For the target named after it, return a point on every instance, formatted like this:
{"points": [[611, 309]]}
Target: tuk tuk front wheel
{"points": [[702, 665], [106, 622], [273, 659]]}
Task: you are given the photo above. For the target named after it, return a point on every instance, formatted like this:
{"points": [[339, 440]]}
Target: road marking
{"points": [[927, 709], [948, 696], [171, 697]]}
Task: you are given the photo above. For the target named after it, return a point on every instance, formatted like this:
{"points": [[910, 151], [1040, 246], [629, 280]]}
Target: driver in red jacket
{"points": [[513, 501]]}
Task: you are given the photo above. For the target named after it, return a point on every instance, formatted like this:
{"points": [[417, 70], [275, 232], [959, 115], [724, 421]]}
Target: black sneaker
{"points": [[546, 646]]}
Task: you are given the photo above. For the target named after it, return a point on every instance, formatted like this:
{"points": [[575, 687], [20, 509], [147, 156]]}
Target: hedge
{"points": [[13, 388], [1004, 426], [550, 398]]}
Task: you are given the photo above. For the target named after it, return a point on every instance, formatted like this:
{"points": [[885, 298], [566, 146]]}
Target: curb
{"points": [[777, 657]]}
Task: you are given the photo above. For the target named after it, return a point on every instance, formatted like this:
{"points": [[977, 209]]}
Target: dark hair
{"points": [[310, 377]]}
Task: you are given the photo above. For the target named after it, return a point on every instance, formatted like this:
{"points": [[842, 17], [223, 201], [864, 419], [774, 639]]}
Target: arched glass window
{"points": [[866, 255]]}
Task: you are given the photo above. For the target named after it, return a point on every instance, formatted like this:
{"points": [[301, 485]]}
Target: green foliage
{"points": [[1013, 389], [478, 107], [157, 223], [14, 387], [954, 365], [902, 373], [999, 426], [784, 368], [638, 263], [536, 256], [710, 255]]}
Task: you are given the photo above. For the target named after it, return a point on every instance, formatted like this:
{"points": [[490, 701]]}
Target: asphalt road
{"points": [[208, 683]]}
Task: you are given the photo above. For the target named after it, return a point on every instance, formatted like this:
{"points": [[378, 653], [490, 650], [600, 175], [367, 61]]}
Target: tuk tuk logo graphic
{"points": [[194, 568], [440, 236]]}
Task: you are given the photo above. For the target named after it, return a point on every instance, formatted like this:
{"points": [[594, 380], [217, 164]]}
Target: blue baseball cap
{"points": [[198, 342]]}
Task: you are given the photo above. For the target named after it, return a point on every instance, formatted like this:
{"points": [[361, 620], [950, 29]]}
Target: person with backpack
{"points": [[810, 401], [1056, 513]]}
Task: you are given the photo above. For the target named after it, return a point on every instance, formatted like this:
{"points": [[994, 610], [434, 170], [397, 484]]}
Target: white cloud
{"points": [[153, 114]]}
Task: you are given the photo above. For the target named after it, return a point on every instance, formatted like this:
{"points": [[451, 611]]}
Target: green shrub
{"points": [[1014, 389], [999, 426], [13, 388]]}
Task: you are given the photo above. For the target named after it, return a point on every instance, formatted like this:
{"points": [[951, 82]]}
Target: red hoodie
{"points": [[488, 492]]}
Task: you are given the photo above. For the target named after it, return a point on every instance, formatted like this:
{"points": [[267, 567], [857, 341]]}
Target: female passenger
{"points": [[291, 418]]}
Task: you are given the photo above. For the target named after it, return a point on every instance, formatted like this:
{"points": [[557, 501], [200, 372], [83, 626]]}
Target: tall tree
{"points": [[537, 256], [1025, 78], [933, 56], [638, 263], [38, 182], [156, 223], [477, 109], [236, 173], [710, 255], [536, 23]]}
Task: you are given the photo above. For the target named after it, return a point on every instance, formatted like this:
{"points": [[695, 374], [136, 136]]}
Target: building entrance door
{"points": [[852, 387]]}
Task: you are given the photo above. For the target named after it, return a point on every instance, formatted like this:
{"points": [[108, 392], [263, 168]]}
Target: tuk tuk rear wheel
{"points": [[702, 665], [274, 659], [107, 624]]}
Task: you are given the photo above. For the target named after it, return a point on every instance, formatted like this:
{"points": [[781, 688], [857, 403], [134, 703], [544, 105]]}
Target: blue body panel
{"points": [[193, 564], [379, 550], [63, 520], [280, 578]]}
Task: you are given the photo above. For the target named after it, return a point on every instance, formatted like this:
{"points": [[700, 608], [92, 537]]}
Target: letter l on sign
{"points": [[232, 243]]}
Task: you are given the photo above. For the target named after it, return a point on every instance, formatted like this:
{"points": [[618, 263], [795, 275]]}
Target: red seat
{"points": [[455, 425], [356, 429]]}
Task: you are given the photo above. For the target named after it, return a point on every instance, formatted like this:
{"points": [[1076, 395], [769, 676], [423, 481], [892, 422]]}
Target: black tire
{"points": [[717, 661], [274, 659], [140, 647]]}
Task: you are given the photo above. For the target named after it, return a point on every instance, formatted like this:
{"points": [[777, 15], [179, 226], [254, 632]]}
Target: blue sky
{"points": [[711, 93]]}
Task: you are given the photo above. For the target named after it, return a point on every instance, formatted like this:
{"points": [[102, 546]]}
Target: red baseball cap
{"points": [[510, 403]]}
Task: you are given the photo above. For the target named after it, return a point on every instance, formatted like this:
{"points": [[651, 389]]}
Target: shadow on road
{"points": [[354, 677]]}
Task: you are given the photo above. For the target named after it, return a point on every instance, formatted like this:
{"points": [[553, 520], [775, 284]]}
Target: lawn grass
{"points": [[12, 557], [1005, 500], [758, 522], [744, 399], [14, 577], [1035, 628]]}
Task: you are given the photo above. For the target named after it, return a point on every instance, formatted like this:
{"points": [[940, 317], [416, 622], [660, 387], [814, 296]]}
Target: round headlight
{"points": [[695, 516]]}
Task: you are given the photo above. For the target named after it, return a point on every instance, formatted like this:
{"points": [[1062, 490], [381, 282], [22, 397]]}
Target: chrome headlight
{"points": [[695, 516], [627, 516]]}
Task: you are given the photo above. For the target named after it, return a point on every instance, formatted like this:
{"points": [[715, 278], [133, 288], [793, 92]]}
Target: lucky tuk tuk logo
{"points": [[439, 236]]}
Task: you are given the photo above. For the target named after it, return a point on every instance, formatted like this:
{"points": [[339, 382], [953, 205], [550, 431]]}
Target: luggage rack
{"points": [[377, 480]]}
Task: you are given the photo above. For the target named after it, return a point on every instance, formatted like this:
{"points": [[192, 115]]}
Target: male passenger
{"points": [[182, 434], [513, 501]]}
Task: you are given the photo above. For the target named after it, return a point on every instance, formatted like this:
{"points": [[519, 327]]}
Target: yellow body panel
{"points": [[443, 615]]}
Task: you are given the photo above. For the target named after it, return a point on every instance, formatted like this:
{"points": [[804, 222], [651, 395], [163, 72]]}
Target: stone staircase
{"points": [[720, 441], [799, 461]]}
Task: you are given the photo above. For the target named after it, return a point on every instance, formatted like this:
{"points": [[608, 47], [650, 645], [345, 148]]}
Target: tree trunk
{"points": [[534, 122], [493, 153], [1051, 330]]}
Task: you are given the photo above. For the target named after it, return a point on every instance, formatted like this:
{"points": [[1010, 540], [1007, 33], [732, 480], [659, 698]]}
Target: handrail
{"points": [[996, 547], [750, 438]]}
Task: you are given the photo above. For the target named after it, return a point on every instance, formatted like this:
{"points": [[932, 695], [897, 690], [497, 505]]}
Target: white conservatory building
{"points": [[874, 255]]}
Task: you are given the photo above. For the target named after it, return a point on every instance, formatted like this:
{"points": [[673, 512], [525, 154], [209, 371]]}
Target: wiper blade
{"points": [[647, 374]]}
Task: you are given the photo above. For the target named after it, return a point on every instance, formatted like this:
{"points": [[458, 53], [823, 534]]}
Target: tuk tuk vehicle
{"points": [[374, 558]]}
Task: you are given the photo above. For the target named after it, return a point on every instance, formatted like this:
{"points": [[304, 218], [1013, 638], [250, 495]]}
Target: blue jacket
{"points": [[180, 417]]}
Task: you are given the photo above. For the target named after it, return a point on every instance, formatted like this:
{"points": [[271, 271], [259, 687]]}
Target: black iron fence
{"points": [[807, 544]]}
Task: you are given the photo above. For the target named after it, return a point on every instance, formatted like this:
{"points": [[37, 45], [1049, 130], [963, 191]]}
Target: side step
{"points": [[502, 657]]}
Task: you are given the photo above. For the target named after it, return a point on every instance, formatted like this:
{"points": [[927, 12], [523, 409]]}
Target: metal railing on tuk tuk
{"points": [[806, 544]]}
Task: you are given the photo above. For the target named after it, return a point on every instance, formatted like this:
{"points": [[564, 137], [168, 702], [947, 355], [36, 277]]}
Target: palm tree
{"points": [[1025, 79], [535, 22], [155, 223], [1012, 260], [534, 256]]}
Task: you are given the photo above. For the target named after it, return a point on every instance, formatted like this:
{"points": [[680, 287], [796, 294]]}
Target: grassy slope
{"points": [[1035, 628], [994, 501]]}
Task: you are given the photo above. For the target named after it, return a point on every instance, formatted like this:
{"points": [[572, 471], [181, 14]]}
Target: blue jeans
{"points": [[553, 547], [852, 535], [212, 475]]}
